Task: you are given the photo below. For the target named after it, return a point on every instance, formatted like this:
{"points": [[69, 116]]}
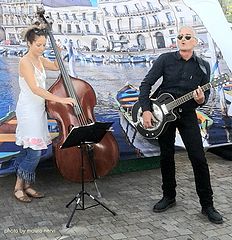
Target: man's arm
{"points": [[150, 79]]}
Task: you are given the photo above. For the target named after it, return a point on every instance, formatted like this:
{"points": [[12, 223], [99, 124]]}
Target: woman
{"points": [[32, 130]]}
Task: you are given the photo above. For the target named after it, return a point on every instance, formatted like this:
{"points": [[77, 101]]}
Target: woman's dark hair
{"points": [[33, 32]]}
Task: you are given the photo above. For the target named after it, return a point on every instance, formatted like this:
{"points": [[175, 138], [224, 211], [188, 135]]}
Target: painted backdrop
{"points": [[112, 46]]}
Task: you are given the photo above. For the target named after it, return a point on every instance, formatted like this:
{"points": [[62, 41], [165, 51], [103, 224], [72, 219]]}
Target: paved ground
{"points": [[131, 195]]}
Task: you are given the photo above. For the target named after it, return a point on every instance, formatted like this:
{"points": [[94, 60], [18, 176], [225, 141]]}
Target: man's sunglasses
{"points": [[187, 37]]}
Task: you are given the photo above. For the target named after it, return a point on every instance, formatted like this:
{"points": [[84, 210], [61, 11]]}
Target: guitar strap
{"points": [[201, 65], [155, 94]]}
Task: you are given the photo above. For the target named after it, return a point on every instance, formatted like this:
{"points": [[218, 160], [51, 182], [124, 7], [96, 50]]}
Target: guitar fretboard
{"points": [[186, 97]]}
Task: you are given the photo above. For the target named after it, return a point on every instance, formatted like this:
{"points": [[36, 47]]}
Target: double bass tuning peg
{"points": [[40, 10], [41, 14], [49, 20]]}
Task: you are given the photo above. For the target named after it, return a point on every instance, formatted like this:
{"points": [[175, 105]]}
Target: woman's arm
{"points": [[49, 65], [26, 70]]}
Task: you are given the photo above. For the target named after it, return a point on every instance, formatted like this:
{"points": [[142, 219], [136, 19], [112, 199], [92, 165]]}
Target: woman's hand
{"points": [[70, 101], [199, 95]]}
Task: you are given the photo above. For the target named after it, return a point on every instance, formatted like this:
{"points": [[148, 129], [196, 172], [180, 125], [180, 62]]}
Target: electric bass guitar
{"points": [[163, 109]]}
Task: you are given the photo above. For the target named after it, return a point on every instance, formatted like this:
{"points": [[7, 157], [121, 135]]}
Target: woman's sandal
{"points": [[33, 193], [21, 196]]}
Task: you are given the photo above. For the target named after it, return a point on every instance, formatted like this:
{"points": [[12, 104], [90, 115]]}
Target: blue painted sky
{"points": [[94, 2]]}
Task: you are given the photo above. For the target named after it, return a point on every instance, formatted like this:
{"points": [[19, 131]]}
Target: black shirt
{"points": [[179, 77]]}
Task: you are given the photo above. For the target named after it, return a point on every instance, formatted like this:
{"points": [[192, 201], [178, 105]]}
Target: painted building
{"points": [[112, 24], [83, 25], [16, 15], [147, 24]]}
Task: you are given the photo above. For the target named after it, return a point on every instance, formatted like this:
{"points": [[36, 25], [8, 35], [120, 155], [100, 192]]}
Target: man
{"points": [[182, 72]]}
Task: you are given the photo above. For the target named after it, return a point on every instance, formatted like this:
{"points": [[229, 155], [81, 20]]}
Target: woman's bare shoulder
{"points": [[24, 61], [25, 65]]}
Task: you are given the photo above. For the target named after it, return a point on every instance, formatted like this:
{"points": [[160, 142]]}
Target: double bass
{"points": [[105, 154]]}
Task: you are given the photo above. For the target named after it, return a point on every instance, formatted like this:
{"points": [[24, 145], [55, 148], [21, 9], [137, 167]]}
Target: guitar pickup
{"points": [[164, 109]]}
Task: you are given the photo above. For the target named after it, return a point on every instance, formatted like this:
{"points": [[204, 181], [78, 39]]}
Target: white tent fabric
{"points": [[216, 24]]}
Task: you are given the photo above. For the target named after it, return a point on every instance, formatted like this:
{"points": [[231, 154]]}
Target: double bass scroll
{"points": [[105, 154]]}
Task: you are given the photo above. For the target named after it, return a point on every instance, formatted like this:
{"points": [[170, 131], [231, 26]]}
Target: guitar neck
{"points": [[177, 102]]}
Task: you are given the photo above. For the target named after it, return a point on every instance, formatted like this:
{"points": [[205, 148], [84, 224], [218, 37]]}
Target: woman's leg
{"points": [[25, 165], [26, 168], [29, 178], [19, 184], [18, 159]]}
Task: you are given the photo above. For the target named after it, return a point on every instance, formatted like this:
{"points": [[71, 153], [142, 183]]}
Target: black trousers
{"points": [[187, 125]]}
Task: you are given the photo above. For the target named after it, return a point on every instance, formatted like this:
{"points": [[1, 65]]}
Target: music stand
{"points": [[79, 136]]}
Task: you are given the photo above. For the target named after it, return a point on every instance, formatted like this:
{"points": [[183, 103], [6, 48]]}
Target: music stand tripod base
{"points": [[80, 136]]}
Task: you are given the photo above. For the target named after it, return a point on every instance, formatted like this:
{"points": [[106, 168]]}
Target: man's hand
{"points": [[148, 118], [199, 95]]}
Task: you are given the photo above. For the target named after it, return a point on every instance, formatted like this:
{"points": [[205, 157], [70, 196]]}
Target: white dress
{"points": [[32, 127]]}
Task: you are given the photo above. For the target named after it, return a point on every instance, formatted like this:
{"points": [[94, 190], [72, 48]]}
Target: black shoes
{"points": [[164, 204], [212, 214]]}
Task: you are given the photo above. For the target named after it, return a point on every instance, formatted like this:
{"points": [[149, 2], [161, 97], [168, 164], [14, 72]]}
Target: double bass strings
{"points": [[70, 89]]}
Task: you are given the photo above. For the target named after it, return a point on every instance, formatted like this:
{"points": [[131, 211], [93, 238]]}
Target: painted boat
{"points": [[122, 59], [97, 59], [228, 97], [8, 148], [151, 58], [137, 59], [126, 97]]}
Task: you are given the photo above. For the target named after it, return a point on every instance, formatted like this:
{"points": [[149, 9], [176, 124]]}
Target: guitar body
{"points": [[163, 108], [161, 116]]}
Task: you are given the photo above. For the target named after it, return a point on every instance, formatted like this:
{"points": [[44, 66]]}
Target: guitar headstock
{"points": [[220, 81]]}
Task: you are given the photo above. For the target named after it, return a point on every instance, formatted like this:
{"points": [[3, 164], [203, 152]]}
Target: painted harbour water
{"points": [[106, 79]]}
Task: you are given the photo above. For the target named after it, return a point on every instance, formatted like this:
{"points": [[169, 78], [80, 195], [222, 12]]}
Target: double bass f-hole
{"points": [[104, 154]]}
